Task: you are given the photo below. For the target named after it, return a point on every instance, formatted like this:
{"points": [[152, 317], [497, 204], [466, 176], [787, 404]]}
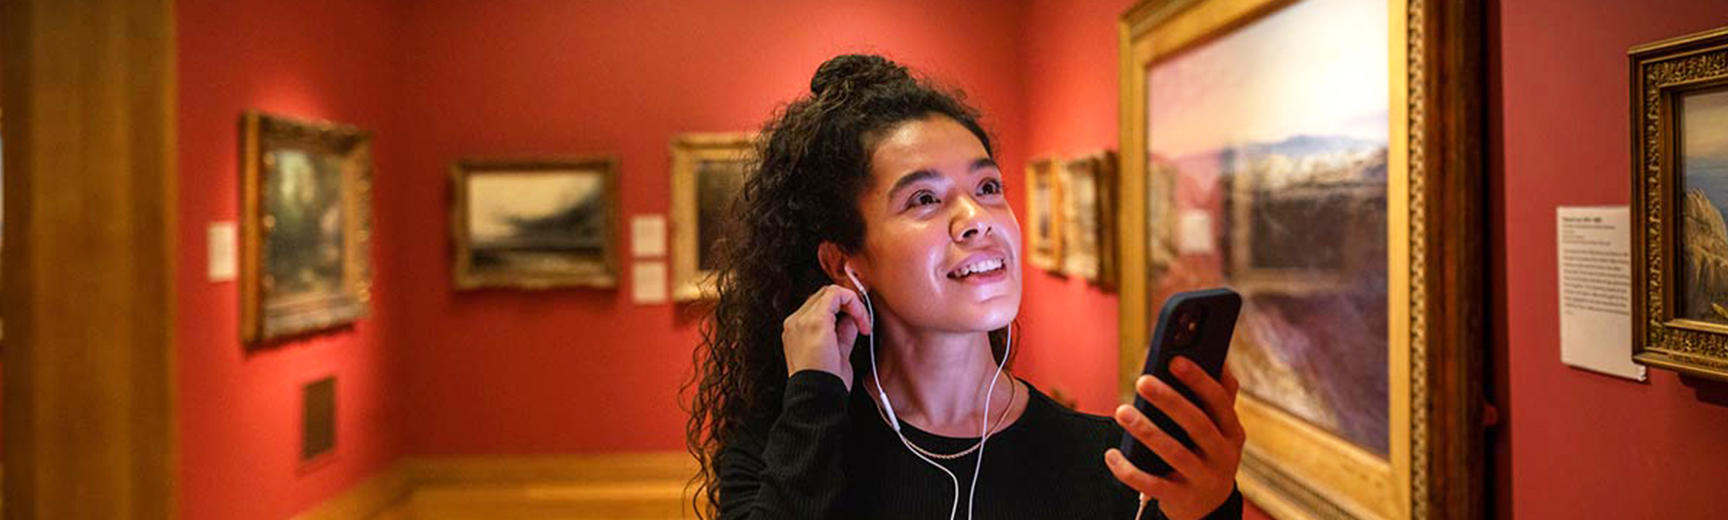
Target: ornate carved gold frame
{"points": [[689, 283], [1435, 224], [603, 275], [1661, 72], [263, 318]]}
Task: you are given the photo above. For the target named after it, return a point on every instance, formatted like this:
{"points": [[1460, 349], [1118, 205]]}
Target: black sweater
{"points": [[829, 455]]}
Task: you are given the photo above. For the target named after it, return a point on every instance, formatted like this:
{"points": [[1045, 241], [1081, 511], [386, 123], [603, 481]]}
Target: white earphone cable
{"points": [[952, 509], [978, 465]]}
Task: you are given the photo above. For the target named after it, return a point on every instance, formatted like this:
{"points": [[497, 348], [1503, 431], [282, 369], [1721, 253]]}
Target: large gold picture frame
{"points": [[562, 223], [1676, 214], [707, 171], [1434, 203], [305, 259]]}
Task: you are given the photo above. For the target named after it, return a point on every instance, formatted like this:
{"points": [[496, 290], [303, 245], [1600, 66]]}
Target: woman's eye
{"points": [[924, 197], [991, 187]]}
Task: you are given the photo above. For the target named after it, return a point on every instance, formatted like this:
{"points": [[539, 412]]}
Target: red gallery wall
{"points": [[240, 411], [507, 372], [1577, 444], [1069, 76]]}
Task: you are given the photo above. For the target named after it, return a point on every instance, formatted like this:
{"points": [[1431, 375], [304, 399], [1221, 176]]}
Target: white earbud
{"points": [[853, 275]]}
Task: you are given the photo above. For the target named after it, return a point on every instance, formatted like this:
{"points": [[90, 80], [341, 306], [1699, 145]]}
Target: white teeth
{"points": [[979, 267]]}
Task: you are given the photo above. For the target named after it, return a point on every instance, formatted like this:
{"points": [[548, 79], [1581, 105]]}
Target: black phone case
{"points": [[1220, 308]]}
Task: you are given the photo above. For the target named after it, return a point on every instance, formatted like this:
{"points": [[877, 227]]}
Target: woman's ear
{"points": [[834, 261]]}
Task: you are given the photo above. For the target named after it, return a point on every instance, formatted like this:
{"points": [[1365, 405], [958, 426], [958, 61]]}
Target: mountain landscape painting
{"points": [[1703, 248], [1276, 137]]}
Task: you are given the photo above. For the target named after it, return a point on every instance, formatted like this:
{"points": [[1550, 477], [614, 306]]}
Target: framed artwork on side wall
{"points": [[708, 171], [1680, 188], [1044, 214], [306, 213], [535, 223], [1088, 186], [1307, 154]]}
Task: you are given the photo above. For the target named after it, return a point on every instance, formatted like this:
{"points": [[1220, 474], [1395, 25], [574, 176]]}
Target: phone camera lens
{"points": [[1187, 328]]}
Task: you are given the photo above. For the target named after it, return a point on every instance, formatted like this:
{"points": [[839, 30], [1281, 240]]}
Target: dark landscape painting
{"points": [[545, 222], [717, 184]]}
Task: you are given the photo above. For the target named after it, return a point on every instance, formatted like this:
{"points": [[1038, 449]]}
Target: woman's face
{"points": [[941, 246]]}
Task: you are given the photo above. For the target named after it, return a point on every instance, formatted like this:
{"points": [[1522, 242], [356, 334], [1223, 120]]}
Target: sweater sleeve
{"points": [[1231, 509], [793, 469]]}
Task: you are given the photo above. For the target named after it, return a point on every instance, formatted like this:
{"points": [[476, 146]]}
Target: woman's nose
{"points": [[970, 221]]}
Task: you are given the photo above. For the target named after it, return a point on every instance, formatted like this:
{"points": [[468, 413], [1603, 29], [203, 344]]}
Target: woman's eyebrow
{"points": [[911, 178], [929, 174]]}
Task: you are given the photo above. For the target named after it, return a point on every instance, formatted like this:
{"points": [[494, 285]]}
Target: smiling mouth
{"points": [[981, 267]]}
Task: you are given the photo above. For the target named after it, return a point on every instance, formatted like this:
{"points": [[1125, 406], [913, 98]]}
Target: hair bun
{"points": [[849, 71]]}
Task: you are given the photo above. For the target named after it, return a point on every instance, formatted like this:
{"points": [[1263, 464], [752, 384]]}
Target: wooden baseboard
{"points": [[366, 500], [613, 485]]}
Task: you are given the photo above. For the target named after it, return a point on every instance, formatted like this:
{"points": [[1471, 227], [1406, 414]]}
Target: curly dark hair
{"points": [[811, 166]]}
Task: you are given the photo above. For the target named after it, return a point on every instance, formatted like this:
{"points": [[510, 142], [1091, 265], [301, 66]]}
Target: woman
{"points": [[877, 211]]}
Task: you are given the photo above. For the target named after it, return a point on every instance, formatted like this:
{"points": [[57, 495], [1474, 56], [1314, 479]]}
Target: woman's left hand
{"points": [[1203, 478]]}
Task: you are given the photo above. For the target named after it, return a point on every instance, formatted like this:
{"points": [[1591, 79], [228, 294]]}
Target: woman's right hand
{"points": [[816, 336]]}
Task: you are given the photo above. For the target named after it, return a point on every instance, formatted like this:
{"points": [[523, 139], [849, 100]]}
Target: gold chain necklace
{"points": [[1013, 391]]}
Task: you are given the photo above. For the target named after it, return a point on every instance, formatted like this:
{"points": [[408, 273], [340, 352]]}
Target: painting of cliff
{"points": [[1703, 248], [1275, 138]]}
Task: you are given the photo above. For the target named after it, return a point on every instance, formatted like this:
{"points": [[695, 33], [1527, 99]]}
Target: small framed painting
{"points": [[535, 223], [306, 212], [1088, 186], [1044, 214], [1680, 188], [708, 171]]}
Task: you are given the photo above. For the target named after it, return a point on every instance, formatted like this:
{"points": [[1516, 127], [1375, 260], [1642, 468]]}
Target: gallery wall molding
{"points": [[1435, 223]]}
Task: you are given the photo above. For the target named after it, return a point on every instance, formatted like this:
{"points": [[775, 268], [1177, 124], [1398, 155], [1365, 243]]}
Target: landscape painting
{"points": [[305, 261], [1703, 247], [1276, 136], [534, 224], [304, 202]]}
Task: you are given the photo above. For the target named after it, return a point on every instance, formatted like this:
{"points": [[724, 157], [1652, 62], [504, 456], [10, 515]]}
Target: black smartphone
{"points": [[1196, 325]]}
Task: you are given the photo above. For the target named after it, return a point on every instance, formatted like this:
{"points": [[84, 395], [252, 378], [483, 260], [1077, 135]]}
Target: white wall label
{"points": [[1194, 232], [648, 282], [1595, 250], [222, 260], [648, 236]]}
